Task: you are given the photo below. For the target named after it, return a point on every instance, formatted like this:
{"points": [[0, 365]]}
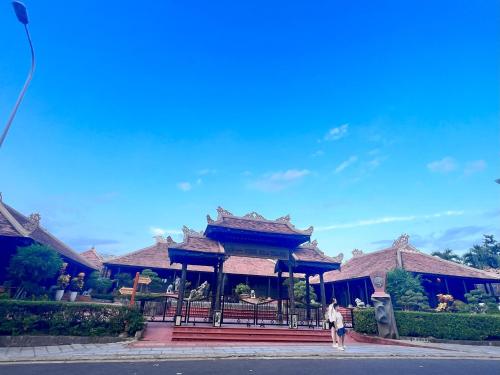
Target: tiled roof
{"points": [[257, 223], [196, 241], [156, 256], [413, 260], [309, 252], [93, 257], [11, 220]]}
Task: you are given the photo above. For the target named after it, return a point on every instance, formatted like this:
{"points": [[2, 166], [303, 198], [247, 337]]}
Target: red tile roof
{"points": [[309, 252], [15, 224], [255, 222], [156, 256], [413, 260], [93, 257], [196, 241]]}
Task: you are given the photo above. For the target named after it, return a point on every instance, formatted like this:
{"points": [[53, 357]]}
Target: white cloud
{"points": [[335, 134], [317, 153], [445, 165], [474, 166], [346, 163], [184, 186], [388, 219], [279, 180], [246, 173]]}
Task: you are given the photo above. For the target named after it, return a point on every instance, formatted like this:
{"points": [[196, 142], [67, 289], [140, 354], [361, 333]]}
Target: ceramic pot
{"points": [[59, 294], [72, 296]]}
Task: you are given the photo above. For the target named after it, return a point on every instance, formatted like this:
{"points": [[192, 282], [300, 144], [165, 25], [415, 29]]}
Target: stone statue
{"points": [[170, 289], [252, 294], [177, 282], [384, 312], [199, 293], [359, 303]]}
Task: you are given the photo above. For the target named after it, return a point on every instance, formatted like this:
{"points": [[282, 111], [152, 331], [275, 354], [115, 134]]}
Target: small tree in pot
{"points": [[76, 286], [62, 282]]}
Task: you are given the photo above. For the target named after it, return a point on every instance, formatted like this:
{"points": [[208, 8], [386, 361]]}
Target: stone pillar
{"points": [[323, 294], [182, 286], [308, 299]]}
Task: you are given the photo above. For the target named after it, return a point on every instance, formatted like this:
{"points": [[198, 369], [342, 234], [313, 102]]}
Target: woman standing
{"points": [[331, 322]]}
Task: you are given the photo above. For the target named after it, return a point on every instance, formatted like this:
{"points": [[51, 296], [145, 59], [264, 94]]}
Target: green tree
{"points": [[31, 267], [399, 282], [448, 254], [486, 255], [99, 284], [480, 302], [157, 285], [299, 292], [123, 279], [412, 300]]}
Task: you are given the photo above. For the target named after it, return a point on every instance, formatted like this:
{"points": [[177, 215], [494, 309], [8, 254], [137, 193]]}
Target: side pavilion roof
{"points": [[403, 254], [15, 224]]}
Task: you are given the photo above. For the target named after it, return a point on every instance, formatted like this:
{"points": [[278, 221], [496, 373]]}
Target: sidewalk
{"points": [[125, 351]]}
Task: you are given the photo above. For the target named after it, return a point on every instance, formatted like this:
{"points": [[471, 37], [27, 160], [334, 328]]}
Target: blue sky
{"points": [[363, 119]]}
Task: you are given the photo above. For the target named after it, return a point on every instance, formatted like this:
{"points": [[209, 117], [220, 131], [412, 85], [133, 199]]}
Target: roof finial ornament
{"points": [[309, 230], [222, 212], [33, 222], [401, 241], [357, 253], [210, 220], [284, 219], [254, 215], [1, 198], [188, 232]]}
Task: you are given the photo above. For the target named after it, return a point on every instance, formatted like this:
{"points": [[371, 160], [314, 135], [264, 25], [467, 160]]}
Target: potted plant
{"points": [[76, 286], [62, 282], [242, 290]]}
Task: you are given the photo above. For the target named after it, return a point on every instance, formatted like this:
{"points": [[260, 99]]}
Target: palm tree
{"points": [[447, 254]]}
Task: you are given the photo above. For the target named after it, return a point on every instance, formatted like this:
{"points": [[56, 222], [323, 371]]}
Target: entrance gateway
{"points": [[251, 235]]}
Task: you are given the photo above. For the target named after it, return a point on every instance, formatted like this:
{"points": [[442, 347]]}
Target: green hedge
{"points": [[364, 321], [451, 326], [73, 319]]}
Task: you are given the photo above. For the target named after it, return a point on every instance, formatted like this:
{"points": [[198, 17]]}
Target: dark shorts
{"points": [[341, 331], [330, 325]]}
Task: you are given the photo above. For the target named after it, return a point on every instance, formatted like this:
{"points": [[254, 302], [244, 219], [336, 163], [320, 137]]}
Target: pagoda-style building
{"points": [[233, 249], [437, 275]]}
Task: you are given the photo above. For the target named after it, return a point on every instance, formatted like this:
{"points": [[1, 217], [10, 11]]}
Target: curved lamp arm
{"points": [[22, 16]]}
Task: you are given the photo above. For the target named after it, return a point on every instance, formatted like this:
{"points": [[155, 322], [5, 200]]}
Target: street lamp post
{"points": [[22, 16]]}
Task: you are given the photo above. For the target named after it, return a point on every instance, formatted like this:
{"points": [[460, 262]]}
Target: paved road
{"points": [[263, 367]]}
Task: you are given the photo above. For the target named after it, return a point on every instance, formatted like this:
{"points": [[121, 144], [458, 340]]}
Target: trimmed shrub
{"points": [[364, 321], [449, 326], [72, 319]]}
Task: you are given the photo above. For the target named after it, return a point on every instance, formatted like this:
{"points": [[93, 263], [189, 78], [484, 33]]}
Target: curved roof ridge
{"points": [[254, 216]]}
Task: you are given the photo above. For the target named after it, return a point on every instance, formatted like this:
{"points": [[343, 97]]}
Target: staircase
{"points": [[241, 334]]}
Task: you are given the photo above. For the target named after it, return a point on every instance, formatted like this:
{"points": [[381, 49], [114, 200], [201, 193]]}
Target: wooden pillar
{"points": [[308, 299], [199, 280], [333, 291], [180, 299], [214, 286], [291, 295], [269, 286], [323, 294], [367, 301], [446, 285], [280, 307], [465, 286], [492, 289], [220, 276], [348, 294]]}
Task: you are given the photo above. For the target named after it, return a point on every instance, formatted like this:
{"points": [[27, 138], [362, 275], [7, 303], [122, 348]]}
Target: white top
{"points": [[335, 317]]}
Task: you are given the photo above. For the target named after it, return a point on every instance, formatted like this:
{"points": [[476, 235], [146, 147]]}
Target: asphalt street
{"points": [[263, 367]]}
